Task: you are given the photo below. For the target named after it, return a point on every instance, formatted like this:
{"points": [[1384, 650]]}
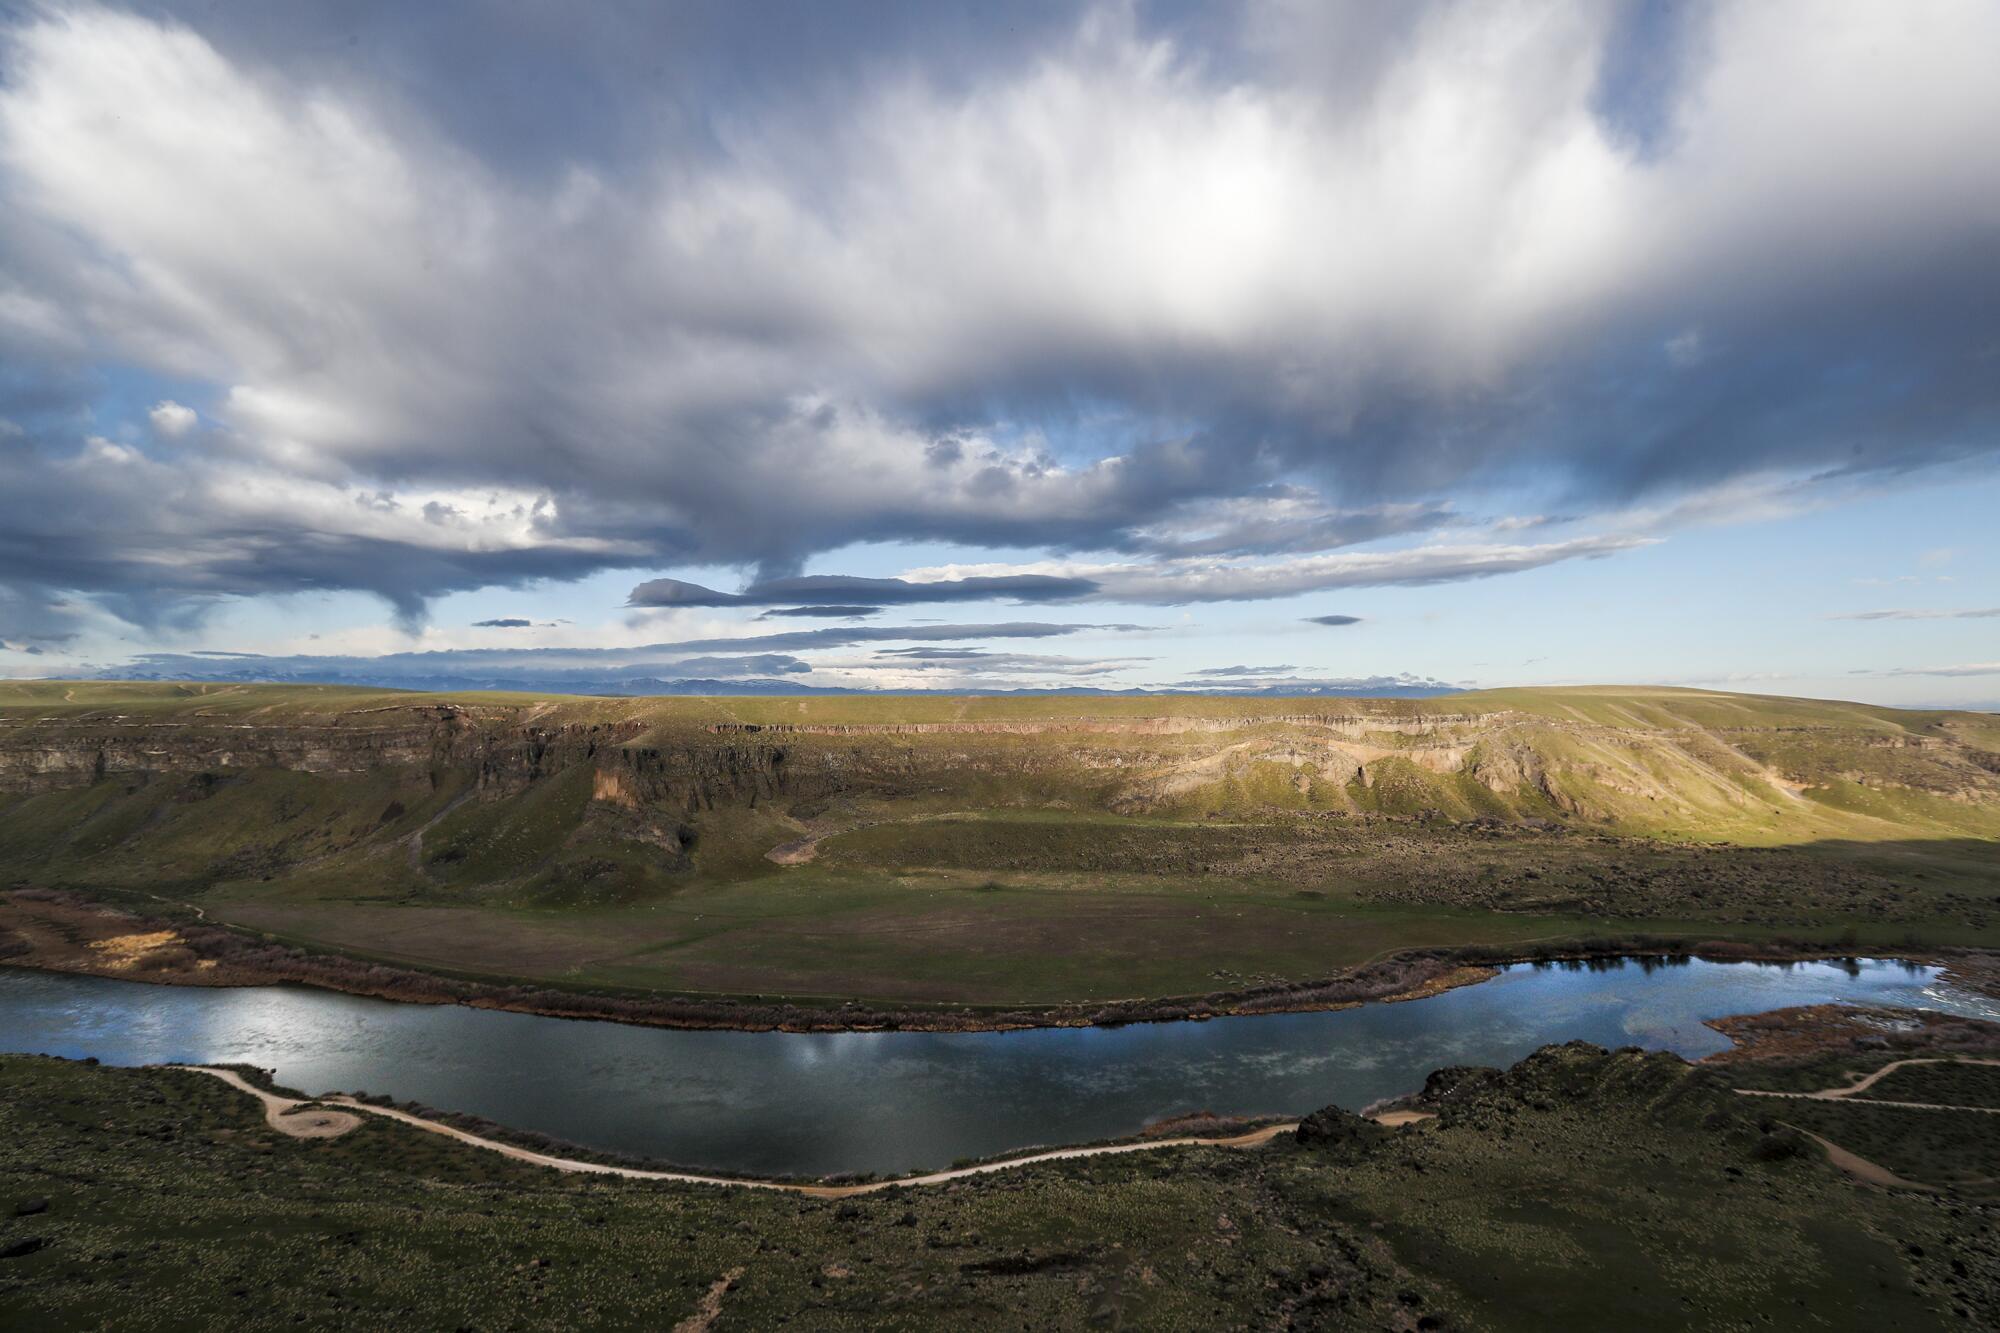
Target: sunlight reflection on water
{"points": [[818, 1103]]}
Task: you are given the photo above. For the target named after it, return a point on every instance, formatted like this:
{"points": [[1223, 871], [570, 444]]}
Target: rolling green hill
{"points": [[996, 851]]}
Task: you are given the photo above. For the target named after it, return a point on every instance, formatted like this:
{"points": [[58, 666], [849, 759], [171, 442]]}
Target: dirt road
{"points": [[285, 1114], [1860, 1167], [1864, 1170], [1860, 1086]]}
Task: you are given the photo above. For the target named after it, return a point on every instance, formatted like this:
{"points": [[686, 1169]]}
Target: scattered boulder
{"points": [[1570, 1074], [1456, 1083], [1340, 1130]]}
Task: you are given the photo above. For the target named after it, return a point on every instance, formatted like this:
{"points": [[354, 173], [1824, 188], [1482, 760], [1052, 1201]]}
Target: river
{"points": [[780, 1103]]}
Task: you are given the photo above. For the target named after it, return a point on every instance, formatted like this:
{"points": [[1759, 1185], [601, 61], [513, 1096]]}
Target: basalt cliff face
{"points": [[645, 759], [108, 773], [494, 750]]}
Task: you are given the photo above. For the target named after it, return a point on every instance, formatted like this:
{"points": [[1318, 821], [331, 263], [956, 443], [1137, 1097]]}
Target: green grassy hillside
{"points": [[996, 851]]}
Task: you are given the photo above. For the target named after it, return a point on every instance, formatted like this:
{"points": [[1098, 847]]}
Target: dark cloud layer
{"points": [[839, 591], [1333, 620], [834, 612], [418, 299]]}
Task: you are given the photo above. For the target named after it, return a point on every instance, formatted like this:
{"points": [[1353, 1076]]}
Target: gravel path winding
{"points": [[1860, 1167], [288, 1115]]}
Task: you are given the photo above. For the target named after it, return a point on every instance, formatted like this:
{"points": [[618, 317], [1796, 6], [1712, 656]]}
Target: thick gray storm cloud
{"points": [[1175, 304]]}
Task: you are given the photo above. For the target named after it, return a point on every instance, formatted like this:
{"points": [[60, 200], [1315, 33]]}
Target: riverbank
{"points": [[1818, 1036], [302, 1117], [1776, 1040], [311, 1118], [63, 932], [816, 1105]]}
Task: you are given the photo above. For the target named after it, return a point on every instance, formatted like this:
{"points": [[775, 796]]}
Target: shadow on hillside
{"points": [[1975, 857]]}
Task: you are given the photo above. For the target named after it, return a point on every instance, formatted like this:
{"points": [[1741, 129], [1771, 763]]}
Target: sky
{"points": [[1290, 345]]}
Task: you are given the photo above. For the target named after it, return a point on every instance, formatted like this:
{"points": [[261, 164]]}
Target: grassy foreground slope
{"points": [[1579, 1190], [922, 850]]}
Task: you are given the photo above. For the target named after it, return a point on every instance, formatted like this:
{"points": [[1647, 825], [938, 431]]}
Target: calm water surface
{"points": [[813, 1104]]}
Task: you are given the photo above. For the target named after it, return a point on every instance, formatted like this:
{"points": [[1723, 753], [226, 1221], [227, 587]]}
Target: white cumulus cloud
{"points": [[171, 419]]}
